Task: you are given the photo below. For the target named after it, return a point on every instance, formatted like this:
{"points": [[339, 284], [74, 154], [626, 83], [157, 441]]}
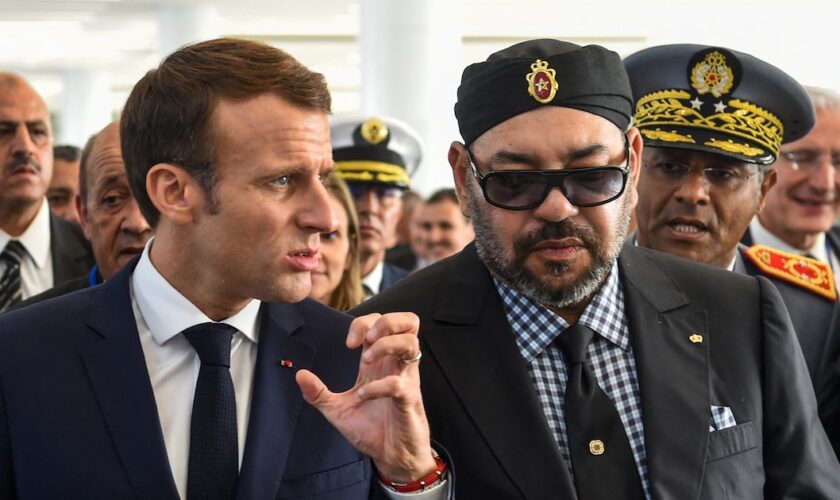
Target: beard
{"points": [[540, 289]]}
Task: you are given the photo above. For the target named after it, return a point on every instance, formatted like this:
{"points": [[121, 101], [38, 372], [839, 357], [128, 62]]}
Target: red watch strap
{"points": [[422, 483]]}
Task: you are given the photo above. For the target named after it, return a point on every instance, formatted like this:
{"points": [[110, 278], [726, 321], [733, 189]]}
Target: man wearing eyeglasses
{"points": [[559, 362], [375, 157], [705, 175], [799, 213]]}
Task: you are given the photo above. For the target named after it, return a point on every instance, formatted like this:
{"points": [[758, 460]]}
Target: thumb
{"points": [[314, 391]]}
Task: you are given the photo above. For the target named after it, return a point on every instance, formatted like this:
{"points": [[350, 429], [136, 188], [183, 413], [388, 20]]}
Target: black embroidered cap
{"points": [[375, 150], [535, 73], [716, 100]]}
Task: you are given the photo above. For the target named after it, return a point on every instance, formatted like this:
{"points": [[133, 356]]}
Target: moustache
{"points": [[23, 161], [555, 231]]}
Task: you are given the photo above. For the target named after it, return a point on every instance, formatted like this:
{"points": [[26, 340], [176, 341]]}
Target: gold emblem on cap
{"points": [[712, 74], [374, 131], [696, 338], [541, 83], [596, 447]]}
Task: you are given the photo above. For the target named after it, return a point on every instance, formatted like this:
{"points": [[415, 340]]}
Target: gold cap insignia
{"points": [[712, 74], [724, 123], [696, 338], [596, 447], [810, 274], [541, 83], [374, 131]]}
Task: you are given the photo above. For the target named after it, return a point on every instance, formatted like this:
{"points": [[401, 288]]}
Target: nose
{"points": [[824, 177], [134, 221], [316, 213], [555, 207], [367, 202], [22, 143], [694, 189]]}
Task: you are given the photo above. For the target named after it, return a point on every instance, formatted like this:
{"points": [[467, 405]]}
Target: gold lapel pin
{"points": [[696, 338]]}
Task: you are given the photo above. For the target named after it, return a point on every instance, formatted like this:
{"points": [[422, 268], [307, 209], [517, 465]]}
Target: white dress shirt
{"points": [[36, 269], [373, 280], [162, 313]]}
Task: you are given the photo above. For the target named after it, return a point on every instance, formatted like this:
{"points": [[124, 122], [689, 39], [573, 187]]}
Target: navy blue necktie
{"points": [[214, 454], [602, 460], [10, 283]]}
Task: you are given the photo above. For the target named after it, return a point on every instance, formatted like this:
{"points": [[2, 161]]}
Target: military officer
{"points": [[713, 120], [376, 156]]}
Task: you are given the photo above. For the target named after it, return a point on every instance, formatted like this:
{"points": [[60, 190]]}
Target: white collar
{"points": [[762, 236], [36, 238], [167, 313], [374, 279]]}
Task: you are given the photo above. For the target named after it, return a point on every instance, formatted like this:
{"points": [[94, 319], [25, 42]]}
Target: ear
{"points": [[766, 183], [636, 149], [175, 193], [458, 160], [83, 215]]}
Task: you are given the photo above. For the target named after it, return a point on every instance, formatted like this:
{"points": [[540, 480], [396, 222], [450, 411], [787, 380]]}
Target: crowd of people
{"points": [[630, 292]]}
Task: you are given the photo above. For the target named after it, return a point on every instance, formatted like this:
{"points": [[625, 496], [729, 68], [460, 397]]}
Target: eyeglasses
{"points": [[386, 195], [723, 178], [527, 189], [809, 159]]}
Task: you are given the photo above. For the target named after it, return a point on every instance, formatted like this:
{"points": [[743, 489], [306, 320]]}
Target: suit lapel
{"points": [[71, 258], [476, 350], [673, 375], [116, 368], [276, 401]]}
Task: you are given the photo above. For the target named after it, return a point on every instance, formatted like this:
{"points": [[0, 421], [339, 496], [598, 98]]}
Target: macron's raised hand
{"points": [[382, 416]]}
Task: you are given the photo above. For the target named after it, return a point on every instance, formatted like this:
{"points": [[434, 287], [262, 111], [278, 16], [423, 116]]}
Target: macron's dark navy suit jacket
{"points": [[78, 417]]}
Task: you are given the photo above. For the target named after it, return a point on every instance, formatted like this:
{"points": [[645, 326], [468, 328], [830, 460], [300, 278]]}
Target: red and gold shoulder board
{"points": [[810, 274]]}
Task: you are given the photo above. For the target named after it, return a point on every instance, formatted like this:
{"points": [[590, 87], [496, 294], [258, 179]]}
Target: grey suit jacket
{"points": [[483, 409]]}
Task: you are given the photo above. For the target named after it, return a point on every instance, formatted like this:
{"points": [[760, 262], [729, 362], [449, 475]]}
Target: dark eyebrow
{"points": [[507, 156]]}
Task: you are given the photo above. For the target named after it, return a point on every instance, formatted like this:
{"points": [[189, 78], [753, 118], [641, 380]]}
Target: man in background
{"points": [[37, 249], [110, 218], [801, 209], [375, 157], [64, 185], [401, 254], [702, 183], [443, 229]]}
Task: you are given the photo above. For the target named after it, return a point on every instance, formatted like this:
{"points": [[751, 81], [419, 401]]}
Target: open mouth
{"points": [[683, 228], [304, 260]]}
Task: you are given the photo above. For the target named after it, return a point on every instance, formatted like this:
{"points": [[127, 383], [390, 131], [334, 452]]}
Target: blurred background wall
{"points": [[401, 58]]}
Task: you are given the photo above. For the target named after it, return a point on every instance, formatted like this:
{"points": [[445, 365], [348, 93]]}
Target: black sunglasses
{"points": [[527, 189]]}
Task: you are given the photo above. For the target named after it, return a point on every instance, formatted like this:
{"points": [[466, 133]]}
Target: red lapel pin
{"points": [[286, 363]]}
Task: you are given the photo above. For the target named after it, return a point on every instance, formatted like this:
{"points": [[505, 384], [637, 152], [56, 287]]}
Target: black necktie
{"points": [[214, 455], [601, 457], [10, 291]]}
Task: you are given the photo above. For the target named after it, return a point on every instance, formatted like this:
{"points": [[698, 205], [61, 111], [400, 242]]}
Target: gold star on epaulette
{"points": [[810, 274]]}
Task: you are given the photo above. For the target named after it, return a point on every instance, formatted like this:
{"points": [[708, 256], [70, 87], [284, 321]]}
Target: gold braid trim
{"points": [[668, 108], [372, 171]]}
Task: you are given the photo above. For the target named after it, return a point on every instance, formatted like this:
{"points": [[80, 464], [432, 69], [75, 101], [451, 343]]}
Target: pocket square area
{"points": [[721, 418]]}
